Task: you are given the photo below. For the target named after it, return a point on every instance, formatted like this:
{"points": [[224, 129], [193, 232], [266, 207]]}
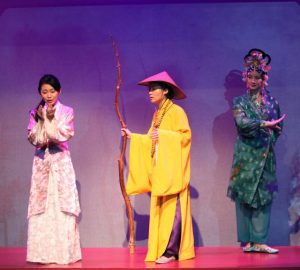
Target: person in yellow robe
{"points": [[159, 162]]}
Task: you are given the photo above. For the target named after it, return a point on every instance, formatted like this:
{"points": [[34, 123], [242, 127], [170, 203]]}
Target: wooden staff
{"points": [[131, 244]]}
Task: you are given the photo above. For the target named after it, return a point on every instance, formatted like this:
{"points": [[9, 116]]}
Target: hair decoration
{"points": [[257, 60]]}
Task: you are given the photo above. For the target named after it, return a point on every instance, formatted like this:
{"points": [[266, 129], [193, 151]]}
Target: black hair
{"points": [[49, 79], [265, 56], [168, 87], [46, 79]]}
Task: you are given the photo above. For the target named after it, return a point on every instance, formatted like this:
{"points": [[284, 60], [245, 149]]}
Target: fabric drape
{"points": [[166, 176]]}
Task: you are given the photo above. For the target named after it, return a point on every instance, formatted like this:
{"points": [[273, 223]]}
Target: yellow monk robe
{"points": [[167, 177]]}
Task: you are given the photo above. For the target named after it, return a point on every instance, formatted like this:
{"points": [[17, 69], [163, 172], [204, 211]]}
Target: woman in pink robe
{"points": [[53, 235]]}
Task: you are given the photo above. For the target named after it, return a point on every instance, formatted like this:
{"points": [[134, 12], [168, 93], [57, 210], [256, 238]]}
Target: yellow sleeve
{"points": [[171, 173], [139, 165]]}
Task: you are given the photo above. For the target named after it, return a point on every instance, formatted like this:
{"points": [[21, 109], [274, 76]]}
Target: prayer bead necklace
{"points": [[157, 121]]}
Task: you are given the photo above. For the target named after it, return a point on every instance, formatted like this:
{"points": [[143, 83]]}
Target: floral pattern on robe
{"points": [[52, 156], [253, 175]]}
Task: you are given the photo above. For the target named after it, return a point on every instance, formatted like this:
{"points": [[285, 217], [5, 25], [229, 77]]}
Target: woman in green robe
{"points": [[253, 178]]}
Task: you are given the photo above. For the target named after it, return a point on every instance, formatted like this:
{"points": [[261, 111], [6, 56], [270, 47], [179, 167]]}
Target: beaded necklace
{"points": [[157, 120]]}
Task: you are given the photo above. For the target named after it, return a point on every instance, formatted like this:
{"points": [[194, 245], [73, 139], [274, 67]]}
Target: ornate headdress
{"points": [[257, 60]]}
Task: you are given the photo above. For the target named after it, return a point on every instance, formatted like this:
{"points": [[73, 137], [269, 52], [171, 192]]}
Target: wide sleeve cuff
{"points": [[140, 165], [60, 130], [36, 134]]}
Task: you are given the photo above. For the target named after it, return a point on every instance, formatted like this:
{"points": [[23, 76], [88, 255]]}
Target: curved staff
{"points": [[122, 154]]}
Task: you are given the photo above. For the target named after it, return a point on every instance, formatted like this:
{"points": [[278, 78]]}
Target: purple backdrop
{"points": [[200, 44]]}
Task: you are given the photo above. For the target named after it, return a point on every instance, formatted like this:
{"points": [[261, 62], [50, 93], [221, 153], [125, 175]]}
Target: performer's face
{"points": [[254, 80], [49, 94], [156, 94]]}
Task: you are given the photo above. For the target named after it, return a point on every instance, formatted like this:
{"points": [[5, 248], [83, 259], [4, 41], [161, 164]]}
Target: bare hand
{"points": [[126, 132], [40, 113], [31, 136], [273, 123], [50, 112], [154, 135]]}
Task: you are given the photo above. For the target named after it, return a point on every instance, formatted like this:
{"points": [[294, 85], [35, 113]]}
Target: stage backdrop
{"points": [[201, 45]]}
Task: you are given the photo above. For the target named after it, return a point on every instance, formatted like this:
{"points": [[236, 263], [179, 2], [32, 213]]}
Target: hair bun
{"points": [[257, 53]]}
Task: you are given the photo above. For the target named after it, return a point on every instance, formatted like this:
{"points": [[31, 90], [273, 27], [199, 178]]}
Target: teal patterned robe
{"points": [[253, 176]]}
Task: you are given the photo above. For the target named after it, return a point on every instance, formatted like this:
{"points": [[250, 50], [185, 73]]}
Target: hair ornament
{"points": [[257, 60]]}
